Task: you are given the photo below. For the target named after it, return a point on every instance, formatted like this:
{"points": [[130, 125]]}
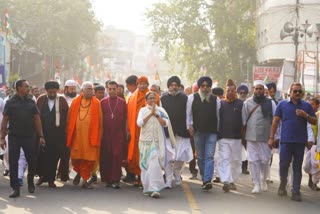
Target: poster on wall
{"points": [[266, 73]]}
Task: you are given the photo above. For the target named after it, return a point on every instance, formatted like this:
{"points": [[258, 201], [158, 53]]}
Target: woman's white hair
{"points": [[87, 84]]}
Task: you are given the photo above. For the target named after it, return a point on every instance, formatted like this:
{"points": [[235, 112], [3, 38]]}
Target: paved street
{"points": [[181, 200]]}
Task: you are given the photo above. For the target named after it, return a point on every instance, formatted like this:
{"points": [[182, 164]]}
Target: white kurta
{"points": [[258, 151]]}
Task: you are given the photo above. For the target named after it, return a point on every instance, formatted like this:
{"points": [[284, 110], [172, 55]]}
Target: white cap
{"points": [[258, 82], [71, 83]]}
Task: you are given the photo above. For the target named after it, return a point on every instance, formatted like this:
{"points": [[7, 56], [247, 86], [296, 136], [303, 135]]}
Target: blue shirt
{"points": [[293, 128]]}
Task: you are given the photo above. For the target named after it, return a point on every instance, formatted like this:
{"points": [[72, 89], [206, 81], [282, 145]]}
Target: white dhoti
{"points": [[176, 158], [151, 171], [259, 155], [230, 159]]}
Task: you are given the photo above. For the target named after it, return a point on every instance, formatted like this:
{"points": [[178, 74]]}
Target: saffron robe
{"points": [[83, 138]]}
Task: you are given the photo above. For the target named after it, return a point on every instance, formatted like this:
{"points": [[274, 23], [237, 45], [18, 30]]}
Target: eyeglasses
{"points": [[205, 86], [297, 91]]}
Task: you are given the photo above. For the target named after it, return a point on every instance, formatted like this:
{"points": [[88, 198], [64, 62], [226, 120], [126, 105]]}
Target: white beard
{"points": [[204, 96]]}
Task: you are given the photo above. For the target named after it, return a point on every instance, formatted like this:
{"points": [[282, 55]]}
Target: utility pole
{"points": [[317, 64], [296, 41]]}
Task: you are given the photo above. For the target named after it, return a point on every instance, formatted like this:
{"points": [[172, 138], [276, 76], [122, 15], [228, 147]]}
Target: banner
{"points": [[268, 74]]}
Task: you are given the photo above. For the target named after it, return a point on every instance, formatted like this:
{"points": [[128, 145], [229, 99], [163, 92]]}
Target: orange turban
{"points": [[142, 79]]}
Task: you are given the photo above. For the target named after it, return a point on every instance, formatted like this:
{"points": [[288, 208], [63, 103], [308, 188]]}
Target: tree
{"points": [[205, 37], [52, 27]]}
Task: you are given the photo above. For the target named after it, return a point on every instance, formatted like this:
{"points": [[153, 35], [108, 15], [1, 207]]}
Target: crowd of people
{"points": [[153, 134]]}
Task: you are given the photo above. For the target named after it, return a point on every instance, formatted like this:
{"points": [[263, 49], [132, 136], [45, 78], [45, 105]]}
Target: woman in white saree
{"points": [[152, 145]]}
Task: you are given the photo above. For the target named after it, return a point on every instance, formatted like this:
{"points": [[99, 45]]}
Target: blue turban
{"points": [[271, 85], [204, 79], [174, 79], [242, 88]]}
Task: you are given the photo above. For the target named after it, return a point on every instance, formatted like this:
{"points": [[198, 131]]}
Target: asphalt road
{"points": [[188, 198]]}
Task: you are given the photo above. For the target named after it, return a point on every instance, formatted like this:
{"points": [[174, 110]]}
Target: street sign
{"points": [[268, 74]]}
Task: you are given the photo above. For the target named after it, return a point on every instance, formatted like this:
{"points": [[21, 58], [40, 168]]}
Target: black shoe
{"points": [[314, 187], [207, 186], [86, 185], [52, 184], [40, 181], [6, 172], [296, 196], [193, 176], [269, 181], [76, 180], [15, 193], [233, 186], [93, 179], [128, 179], [216, 180], [115, 186], [226, 188], [31, 188], [282, 191], [245, 172]]}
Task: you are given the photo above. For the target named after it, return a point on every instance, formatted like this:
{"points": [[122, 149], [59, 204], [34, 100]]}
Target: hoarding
{"points": [[269, 74]]}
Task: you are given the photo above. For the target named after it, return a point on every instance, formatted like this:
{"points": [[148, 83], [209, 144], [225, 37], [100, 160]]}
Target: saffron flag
{"points": [[156, 76]]}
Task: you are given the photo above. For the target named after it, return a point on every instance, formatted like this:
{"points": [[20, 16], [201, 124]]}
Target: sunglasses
{"points": [[297, 91], [205, 86]]}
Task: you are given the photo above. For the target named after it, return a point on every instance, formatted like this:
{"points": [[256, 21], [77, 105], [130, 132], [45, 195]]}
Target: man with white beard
{"points": [[203, 122], [175, 102]]}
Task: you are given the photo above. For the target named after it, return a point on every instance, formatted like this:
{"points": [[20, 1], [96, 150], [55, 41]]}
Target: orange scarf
{"points": [[74, 109]]}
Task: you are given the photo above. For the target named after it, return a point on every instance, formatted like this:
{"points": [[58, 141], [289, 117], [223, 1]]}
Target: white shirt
{"points": [[50, 104]]}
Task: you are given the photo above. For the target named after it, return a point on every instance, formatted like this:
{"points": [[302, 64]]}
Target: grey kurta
{"points": [[258, 127]]}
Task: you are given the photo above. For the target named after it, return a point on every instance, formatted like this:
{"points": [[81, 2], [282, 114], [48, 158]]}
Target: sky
{"points": [[124, 14]]}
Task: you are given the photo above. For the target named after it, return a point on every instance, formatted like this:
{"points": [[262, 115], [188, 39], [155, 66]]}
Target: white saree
{"points": [[152, 147]]}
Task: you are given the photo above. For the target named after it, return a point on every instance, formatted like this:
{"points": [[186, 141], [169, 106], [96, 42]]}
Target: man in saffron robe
{"points": [[84, 133], [135, 103], [114, 111]]}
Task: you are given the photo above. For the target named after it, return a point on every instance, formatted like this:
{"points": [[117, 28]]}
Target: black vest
{"points": [[204, 114], [231, 119], [175, 106]]}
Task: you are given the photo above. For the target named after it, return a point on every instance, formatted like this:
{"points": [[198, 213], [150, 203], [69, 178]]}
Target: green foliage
{"points": [[12, 78], [205, 34], [52, 27]]}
